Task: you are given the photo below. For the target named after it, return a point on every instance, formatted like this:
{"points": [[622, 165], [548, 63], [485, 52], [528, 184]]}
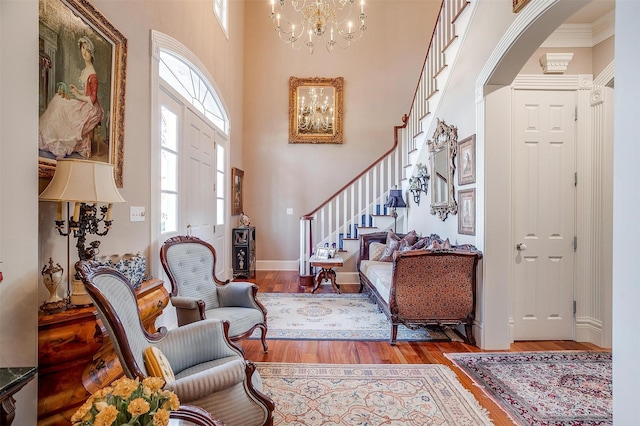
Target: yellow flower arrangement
{"points": [[128, 402]]}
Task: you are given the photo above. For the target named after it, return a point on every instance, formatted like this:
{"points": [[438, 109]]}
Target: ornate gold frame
{"points": [[333, 136], [237, 183], [519, 4], [91, 21]]}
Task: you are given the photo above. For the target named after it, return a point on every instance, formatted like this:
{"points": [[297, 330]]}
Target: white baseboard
{"points": [[277, 265], [589, 330]]}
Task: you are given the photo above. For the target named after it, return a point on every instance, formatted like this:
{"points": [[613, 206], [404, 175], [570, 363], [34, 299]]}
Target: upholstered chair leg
{"points": [[263, 339], [468, 330], [394, 333]]}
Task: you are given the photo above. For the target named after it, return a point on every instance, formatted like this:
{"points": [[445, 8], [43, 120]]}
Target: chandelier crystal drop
{"points": [[317, 19], [315, 116]]}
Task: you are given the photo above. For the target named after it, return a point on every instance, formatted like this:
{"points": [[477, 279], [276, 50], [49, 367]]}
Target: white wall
{"points": [[18, 202], [626, 228]]}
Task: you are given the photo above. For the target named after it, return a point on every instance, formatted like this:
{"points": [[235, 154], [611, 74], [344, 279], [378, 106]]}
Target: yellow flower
{"points": [[82, 412], [173, 403], [124, 387], [161, 418], [138, 407], [101, 405], [133, 398], [106, 417], [101, 393], [153, 383]]}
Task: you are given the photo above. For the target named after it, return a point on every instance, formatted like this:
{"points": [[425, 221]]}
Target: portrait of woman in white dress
{"points": [[67, 124]]}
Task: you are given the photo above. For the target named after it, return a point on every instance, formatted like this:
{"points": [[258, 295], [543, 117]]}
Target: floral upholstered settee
{"points": [[420, 281]]}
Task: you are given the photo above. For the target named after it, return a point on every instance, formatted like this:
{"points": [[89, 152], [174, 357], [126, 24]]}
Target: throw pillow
{"points": [[157, 364], [420, 244], [408, 241], [376, 250], [436, 245], [393, 241]]}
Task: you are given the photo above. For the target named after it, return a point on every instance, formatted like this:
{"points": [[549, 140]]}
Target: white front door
{"points": [[544, 214], [191, 161], [199, 212]]}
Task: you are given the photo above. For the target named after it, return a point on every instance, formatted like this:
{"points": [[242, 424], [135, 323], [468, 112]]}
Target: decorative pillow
{"points": [[157, 364], [408, 241], [420, 244], [393, 241], [394, 244], [436, 245], [376, 250]]}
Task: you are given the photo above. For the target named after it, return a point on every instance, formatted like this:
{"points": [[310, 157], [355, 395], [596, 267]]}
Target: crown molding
{"points": [[582, 35]]}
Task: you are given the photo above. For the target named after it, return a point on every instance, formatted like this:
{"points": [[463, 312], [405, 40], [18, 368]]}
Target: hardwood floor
{"points": [[359, 352]]}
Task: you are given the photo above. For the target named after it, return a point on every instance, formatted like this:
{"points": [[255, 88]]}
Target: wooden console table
{"points": [[76, 356]]}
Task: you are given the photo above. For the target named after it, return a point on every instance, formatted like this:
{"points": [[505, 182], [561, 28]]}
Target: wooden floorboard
{"points": [[360, 352]]}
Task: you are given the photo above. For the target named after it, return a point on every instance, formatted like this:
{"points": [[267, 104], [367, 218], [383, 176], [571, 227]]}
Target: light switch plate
{"points": [[289, 210], [136, 214]]}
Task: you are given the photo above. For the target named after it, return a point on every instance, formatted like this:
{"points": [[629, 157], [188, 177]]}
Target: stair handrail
{"points": [[396, 130]]}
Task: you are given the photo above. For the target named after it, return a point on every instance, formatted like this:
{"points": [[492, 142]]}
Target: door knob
{"points": [[521, 246]]}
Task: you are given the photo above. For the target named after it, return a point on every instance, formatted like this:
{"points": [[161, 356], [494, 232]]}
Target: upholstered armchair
{"points": [[198, 361], [197, 293]]}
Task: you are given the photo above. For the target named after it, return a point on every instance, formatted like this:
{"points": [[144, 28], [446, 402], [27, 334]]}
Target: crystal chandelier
{"points": [[315, 116], [316, 18]]}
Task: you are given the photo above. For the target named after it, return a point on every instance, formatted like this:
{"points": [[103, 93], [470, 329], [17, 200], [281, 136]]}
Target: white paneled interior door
{"points": [[544, 214], [199, 184]]}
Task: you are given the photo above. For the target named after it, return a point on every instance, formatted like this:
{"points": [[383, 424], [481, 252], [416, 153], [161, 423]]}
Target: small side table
{"points": [[326, 271]]}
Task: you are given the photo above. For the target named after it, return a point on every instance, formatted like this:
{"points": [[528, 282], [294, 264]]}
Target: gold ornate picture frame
{"points": [[237, 181], [316, 110], [519, 4], [68, 29]]}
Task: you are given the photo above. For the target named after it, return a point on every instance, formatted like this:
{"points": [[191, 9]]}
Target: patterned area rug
{"points": [[545, 388], [399, 395], [324, 316]]}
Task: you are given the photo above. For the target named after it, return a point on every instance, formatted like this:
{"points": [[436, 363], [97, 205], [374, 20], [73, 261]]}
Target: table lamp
{"points": [[86, 184], [395, 200]]}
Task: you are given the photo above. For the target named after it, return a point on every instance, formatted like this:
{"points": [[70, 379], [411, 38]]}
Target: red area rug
{"points": [[545, 388]]}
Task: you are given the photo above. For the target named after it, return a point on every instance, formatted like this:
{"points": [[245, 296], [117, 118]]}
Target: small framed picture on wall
{"points": [[467, 160], [467, 213]]}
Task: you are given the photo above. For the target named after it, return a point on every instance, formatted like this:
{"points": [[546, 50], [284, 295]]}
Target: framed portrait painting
{"points": [[237, 177], [82, 60], [467, 213], [467, 160]]}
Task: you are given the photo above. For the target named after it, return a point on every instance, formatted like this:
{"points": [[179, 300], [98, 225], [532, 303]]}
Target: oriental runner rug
{"points": [[325, 316], [369, 395], [569, 388]]}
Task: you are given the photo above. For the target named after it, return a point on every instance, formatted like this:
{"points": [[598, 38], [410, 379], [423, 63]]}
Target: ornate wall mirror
{"points": [[442, 152], [315, 110]]}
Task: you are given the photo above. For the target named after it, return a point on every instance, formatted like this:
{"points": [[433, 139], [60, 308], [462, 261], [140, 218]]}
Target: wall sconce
{"points": [[419, 183], [86, 184]]}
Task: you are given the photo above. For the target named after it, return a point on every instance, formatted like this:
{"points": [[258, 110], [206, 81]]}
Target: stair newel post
{"points": [[305, 277]]}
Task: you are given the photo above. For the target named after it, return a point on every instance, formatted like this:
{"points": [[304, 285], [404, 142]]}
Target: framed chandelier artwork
{"points": [[316, 110]]}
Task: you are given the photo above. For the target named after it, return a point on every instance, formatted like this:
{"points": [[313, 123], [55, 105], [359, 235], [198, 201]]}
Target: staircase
{"points": [[358, 207]]}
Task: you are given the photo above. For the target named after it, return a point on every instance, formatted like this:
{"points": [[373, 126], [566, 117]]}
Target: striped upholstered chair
{"points": [[196, 292], [199, 362]]}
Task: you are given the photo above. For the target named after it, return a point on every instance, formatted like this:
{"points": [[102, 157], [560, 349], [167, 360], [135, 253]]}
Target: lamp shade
{"points": [[82, 181], [395, 199]]}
